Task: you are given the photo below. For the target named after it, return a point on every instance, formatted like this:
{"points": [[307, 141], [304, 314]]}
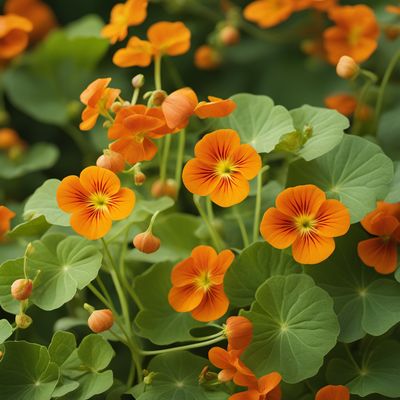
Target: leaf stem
{"points": [[257, 211], [164, 158], [242, 227], [350, 355], [157, 72], [179, 159]]}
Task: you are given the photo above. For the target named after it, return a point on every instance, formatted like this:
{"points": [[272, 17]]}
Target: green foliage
{"points": [[394, 191], [356, 172], [10, 271], [388, 133], [34, 227], [6, 330], [294, 327]]}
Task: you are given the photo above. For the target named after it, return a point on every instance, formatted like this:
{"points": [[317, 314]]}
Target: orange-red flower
{"points": [[381, 252], [40, 14], [198, 284], [344, 103], [307, 221], [266, 388], [124, 15], [14, 35], [332, 392], [355, 33], [222, 168], [94, 199], [239, 331], [133, 130], [97, 98], [207, 58], [267, 13], [5, 217]]}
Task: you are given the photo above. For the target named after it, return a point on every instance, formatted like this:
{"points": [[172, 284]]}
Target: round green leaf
{"points": [[6, 330], [65, 265], [95, 352], [35, 227], [294, 327], [365, 301], [10, 271], [394, 190], [257, 120], [26, 372], [356, 172], [158, 321], [254, 266]]}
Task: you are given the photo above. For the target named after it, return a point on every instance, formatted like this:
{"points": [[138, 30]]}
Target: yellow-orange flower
{"points": [[268, 13], [137, 53], [222, 168], [94, 199], [124, 15], [14, 35], [333, 392], [307, 221], [207, 58], [97, 98], [381, 252], [198, 284], [355, 33], [5, 217], [344, 103]]}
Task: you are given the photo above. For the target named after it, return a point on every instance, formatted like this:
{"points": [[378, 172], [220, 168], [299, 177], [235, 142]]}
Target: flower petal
{"points": [[184, 273], [333, 219], [213, 306], [269, 382], [204, 257], [185, 298], [121, 204], [332, 392], [231, 190], [199, 177], [312, 248], [220, 358], [71, 195], [216, 108], [99, 180], [221, 265], [91, 225], [247, 395]]}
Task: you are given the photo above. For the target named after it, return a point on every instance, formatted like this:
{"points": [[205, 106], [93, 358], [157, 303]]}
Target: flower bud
{"points": [[207, 58], [101, 320], [347, 68], [168, 188], [229, 35], [146, 242], [138, 81], [207, 377], [116, 106], [23, 321], [21, 289], [139, 178], [392, 32], [158, 97], [148, 379], [111, 160]]}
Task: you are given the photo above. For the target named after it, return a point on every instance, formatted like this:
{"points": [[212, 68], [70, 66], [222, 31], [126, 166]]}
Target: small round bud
{"points": [[229, 35], [392, 32], [168, 188], [138, 81], [207, 58], [139, 178], [23, 321], [111, 160], [116, 106], [101, 320], [21, 289], [146, 242], [158, 97], [347, 68]]}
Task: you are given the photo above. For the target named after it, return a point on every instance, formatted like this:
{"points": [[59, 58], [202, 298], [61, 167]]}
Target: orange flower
{"points": [[267, 13], [98, 99], [124, 15], [239, 331], [133, 129], [222, 168], [10, 138], [232, 368], [207, 58], [344, 103], [321, 5], [39, 13], [393, 9], [198, 284], [307, 221], [266, 388], [13, 35], [94, 199], [355, 34], [5, 217], [381, 252], [137, 53], [215, 108], [332, 392]]}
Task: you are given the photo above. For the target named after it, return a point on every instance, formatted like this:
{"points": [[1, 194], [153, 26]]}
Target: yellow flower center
{"points": [[99, 201], [354, 36], [204, 281], [224, 168], [139, 137], [305, 224]]}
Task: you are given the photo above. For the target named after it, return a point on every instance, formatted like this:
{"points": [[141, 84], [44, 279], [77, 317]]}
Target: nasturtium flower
{"points": [[222, 168], [239, 332], [321, 5], [307, 221], [381, 252], [94, 200], [214, 108], [14, 35], [137, 53], [207, 58], [333, 392], [393, 9], [124, 15], [197, 284], [355, 34], [268, 13], [97, 98], [6, 215], [9, 138], [266, 388], [344, 103]]}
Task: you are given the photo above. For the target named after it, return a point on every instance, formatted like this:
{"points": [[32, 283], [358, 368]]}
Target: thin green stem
{"points": [[104, 290], [210, 337], [164, 158], [157, 72], [135, 96], [94, 290], [211, 219], [360, 103], [179, 158], [351, 357], [309, 387], [257, 211], [242, 227]]}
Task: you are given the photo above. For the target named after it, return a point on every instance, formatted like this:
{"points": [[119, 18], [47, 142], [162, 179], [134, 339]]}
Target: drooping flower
{"points": [[344, 103], [207, 58], [239, 331], [198, 284], [14, 35], [215, 108], [355, 34], [97, 98], [307, 221], [124, 15], [268, 13], [6, 215], [333, 392], [222, 168], [381, 252], [94, 200]]}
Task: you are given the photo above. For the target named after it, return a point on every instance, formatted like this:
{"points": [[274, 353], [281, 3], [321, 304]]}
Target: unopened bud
{"points": [[101, 320], [146, 242], [392, 32], [138, 81], [111, 160], [207, 378], [139, 178], [168, 188], [23, 321], [148, 379], [229, 35], [347, 68], [21, 289], [158, 97]]}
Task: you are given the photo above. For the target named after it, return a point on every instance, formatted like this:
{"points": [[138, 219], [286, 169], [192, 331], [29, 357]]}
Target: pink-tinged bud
{"points": [[229, 35], [21, 289], [23, 321], [146, 242], [347, 68], [140, 178], [138, 81], [101, 320], [168, 188], [111, 160]]}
